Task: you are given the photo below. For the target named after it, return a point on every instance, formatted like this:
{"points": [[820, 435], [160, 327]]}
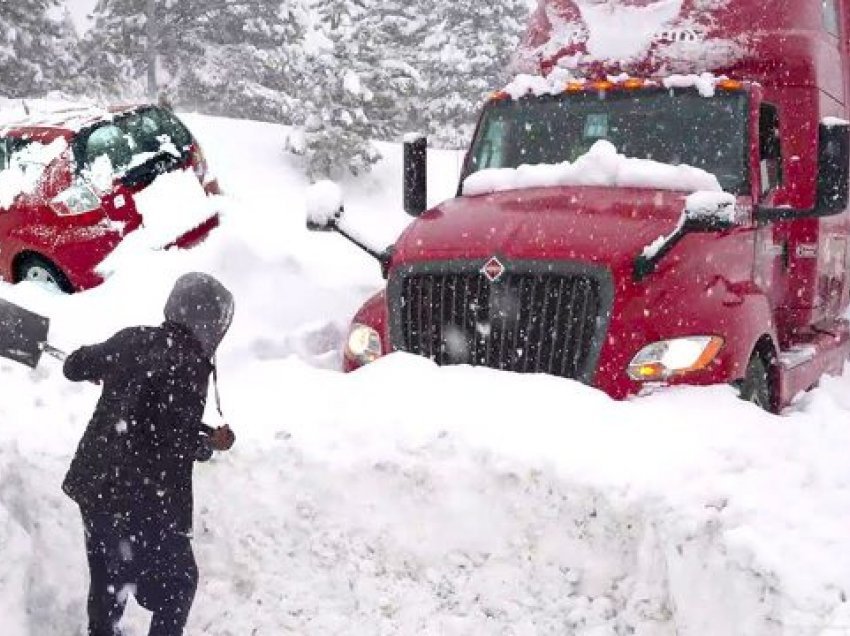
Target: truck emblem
{"points": [[493, 269]]}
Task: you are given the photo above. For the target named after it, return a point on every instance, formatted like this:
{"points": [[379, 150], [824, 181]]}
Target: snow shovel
{"points": [[23, 339], [23, 335]]}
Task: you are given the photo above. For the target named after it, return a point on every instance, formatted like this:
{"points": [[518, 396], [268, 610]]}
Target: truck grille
{"points": [[526, 322]]}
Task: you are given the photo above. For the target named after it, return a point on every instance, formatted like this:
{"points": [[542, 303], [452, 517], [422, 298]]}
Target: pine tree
{"points": [[223, 56], [36, 47], [464, 57], [357, 86]]}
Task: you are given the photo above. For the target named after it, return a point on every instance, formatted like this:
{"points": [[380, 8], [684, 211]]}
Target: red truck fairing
{"points": [[566, 299]]}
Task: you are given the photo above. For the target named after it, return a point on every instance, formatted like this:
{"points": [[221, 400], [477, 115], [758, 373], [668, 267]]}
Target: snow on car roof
{"points": [[45, 115]]}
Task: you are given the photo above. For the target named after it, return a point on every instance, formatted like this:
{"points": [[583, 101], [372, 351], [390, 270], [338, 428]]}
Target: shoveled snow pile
{"points": [[600, 166], [172, 205], [411, 499]]}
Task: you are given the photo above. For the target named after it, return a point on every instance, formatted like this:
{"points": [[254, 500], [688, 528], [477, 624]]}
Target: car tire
{"points": [[40, 270], [756, 387]]}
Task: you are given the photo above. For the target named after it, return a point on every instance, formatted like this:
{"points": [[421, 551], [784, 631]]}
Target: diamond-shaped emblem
{"points": [[493, 269]]}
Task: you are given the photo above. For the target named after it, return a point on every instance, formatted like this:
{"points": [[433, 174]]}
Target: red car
{"points": [[58, 222]]}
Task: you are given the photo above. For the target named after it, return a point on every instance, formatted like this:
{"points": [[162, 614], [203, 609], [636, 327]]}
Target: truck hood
{"points": [[596, 225]]}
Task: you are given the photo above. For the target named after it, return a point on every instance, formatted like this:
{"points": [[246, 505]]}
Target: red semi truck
{"points": [[626, 281]]}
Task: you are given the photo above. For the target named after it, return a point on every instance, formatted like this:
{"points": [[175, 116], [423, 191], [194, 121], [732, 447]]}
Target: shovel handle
{"points": [[53, 352]]}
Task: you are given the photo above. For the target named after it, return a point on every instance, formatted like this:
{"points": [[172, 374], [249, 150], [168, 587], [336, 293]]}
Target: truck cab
{"points": [[668, 209]]}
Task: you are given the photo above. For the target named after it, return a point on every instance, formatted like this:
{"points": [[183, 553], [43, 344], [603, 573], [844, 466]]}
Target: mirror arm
{"points": [[384, 257], [774, 215], [645, 265]]}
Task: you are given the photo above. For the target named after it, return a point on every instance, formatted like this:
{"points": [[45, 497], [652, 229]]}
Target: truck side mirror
{"points": [[833, 190], [415, 174], [710, 212]]}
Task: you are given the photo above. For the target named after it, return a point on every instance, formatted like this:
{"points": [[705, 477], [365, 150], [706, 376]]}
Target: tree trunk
{"points": [[152, 36]]}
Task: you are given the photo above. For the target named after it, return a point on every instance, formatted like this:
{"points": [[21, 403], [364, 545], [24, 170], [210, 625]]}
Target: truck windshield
{"points": [[670, 126]]}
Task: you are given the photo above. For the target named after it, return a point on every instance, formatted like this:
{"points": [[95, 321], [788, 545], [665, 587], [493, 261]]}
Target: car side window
{"points": [[4, 154], [770, 145]]}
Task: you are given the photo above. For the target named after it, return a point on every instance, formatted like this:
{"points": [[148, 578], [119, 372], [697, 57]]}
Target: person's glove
{"points": [[222, 438]]}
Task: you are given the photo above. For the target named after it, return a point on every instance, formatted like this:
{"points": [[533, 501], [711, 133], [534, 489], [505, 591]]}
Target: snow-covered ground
{"points": [[409, 499]]}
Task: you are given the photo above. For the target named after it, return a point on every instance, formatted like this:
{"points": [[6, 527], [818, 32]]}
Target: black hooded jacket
{"points": [[136, 456]]}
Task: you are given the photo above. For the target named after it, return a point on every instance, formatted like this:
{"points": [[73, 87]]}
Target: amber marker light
{"points": [[730, 85], [603, 85], [574, 87], [633, 83], [499, 96]]}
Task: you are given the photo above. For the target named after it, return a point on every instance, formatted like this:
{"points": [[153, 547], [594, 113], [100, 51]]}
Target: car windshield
{"points": [[131, 140], [669, 126]]}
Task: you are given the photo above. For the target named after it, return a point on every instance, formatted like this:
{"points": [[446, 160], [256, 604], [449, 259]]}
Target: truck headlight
{"points": [[364, 344], [662, 360]]}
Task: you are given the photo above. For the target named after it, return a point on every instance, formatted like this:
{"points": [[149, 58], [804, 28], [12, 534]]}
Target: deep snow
{"points": [[411, 499]]}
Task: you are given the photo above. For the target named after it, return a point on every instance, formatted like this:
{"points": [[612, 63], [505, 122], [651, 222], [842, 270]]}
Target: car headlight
{"points": [[78, 199], [662, 360], [364, 344]]}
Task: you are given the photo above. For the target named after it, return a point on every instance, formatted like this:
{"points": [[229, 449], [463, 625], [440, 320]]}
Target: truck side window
{"points": [[830, 17], [4, 155], [492, 151], [770, 144]]}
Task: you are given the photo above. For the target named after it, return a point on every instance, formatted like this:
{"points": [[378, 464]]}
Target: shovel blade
{"points": [[23, 334]]}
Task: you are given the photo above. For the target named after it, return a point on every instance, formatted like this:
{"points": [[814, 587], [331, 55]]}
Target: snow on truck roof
{"points": [[660, 37]]}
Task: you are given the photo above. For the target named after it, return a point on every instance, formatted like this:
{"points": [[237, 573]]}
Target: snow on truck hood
{"points": [[546, 223], [600, 166]]}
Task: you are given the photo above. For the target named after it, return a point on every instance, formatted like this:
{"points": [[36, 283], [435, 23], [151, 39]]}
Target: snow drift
{"points": [[408, 498]]}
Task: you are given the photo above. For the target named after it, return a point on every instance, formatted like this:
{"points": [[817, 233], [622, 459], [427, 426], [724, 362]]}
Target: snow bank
{"points": [[172, 205], [601, 166], [388, 501]]}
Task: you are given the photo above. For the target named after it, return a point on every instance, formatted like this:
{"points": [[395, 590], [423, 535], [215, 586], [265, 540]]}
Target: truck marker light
{"points": [[633, 83], [493, 269], [499, 96], [574, 87], [730, 85], [603, 85]]}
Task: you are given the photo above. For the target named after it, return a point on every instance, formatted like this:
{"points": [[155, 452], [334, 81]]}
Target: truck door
{"points": [[771, 259]]}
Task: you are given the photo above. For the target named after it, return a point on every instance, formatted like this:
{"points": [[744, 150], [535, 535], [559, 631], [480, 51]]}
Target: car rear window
{"points": [[132, 139]]}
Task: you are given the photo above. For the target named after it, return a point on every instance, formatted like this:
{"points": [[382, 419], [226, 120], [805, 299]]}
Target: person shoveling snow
{"points": [[132, 473]]}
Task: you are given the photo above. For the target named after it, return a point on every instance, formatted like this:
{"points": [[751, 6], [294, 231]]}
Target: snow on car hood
{"points": [[175, 203]]}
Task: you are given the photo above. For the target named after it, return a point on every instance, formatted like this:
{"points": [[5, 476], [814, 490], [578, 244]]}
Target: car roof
{"points": [[45, 122]]}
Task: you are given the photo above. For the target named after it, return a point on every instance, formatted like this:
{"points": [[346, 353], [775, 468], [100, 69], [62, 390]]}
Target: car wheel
{"points": [[39, 270], [756, 385]]}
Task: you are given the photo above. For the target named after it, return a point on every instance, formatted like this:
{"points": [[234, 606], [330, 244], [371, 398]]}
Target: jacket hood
{"points": [[204, 306], [603, 225]]}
